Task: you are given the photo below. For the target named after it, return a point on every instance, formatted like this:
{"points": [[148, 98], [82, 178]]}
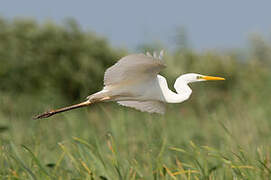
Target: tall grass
{"points": [[110, 142], [222, 132]]}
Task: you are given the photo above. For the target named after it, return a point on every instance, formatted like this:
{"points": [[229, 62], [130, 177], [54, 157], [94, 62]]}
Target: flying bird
{"points": [[134, 81]]}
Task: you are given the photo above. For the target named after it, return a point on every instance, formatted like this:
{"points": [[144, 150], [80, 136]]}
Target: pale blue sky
{"points": [[209, 23]]}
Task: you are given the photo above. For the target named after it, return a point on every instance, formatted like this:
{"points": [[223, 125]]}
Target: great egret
{"points": [[134, 82]]}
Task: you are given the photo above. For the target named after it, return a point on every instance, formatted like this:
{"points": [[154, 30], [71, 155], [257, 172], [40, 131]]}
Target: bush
{"points": [[36, 58]]}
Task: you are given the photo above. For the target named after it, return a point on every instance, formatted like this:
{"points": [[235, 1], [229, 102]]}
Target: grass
{"points": [[108, 141], [222, 132]]}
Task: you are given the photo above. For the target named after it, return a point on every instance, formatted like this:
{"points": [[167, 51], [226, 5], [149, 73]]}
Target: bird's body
{"points": [[143, 90], [134, 81]]}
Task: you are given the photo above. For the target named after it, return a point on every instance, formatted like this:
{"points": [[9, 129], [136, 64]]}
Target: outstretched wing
{"points": [[134, 67], [145, 106]]}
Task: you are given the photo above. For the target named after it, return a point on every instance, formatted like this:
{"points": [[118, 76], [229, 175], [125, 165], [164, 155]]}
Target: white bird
{"points": [[134, 82]]}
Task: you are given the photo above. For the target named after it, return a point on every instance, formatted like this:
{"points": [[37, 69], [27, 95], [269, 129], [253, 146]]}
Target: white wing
{"points": [[161, 55], [145, 106], [132, 68]]}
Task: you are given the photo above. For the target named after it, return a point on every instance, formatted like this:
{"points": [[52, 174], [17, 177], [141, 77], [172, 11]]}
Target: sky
{"points": [[210, 24]]}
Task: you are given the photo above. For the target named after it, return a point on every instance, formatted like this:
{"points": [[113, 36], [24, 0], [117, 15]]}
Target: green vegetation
{"points": [[222, 132]]}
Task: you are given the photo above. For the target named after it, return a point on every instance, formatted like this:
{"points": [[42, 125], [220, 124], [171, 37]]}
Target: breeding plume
{"points": [[134, 81]]}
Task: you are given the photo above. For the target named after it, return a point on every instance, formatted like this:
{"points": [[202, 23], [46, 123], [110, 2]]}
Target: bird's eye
{"points": [[198, 77]]}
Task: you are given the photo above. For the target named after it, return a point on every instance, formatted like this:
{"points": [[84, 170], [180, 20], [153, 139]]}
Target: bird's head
{"points": [[194, 77]]}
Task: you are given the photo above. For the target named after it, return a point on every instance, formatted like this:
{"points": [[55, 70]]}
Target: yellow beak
{"points": [[212, 78]]}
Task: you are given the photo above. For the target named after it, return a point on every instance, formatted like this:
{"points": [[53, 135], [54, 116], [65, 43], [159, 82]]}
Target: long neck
{"points": [[182, 88]]}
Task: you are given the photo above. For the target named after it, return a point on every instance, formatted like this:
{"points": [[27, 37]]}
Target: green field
{"points": [[222, 132]]}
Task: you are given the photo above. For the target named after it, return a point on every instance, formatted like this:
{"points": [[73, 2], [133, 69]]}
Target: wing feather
{"points": [[132, 68], [145, 106]]}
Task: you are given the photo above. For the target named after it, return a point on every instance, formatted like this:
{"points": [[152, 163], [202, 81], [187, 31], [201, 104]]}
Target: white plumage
{"points": [[134, 81], [148, 106], [133, 67]]}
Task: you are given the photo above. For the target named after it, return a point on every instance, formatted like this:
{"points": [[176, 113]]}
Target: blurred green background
{"points": [[222, 132]]}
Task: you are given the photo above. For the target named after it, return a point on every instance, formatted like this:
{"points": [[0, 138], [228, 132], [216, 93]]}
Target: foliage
{"points": [[222, 132], [35, 58]]}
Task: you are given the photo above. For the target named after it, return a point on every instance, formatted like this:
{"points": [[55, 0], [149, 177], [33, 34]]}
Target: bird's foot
{"points": [[44, 115]]}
